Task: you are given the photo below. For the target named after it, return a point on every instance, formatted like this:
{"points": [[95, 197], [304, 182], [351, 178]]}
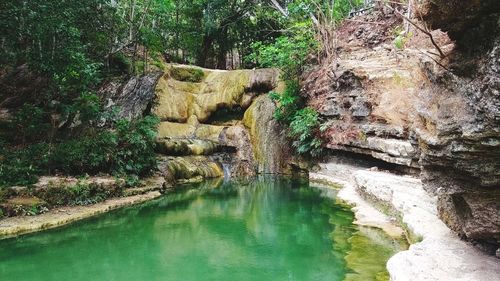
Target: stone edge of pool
{"points": [[14, 226], [399, 206]]}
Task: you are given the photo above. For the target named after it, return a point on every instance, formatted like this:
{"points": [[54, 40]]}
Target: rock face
{"points": [[461, 148], [268, 137], [180, 100], [471, 23], [133, 97], [401, 107], [218, 123], [369, 97]]}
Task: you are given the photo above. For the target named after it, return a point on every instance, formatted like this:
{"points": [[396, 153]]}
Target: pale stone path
{"points": [[440, 256]]}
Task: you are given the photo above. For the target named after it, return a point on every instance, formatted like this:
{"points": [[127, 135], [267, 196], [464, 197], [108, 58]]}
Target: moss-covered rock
{"points": [[179, 97], [184, 147], [186, 130], [191, 168], [271, 148], [187, 74]]}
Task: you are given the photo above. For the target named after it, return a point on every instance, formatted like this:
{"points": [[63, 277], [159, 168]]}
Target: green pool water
{"points": [[264, 229]]}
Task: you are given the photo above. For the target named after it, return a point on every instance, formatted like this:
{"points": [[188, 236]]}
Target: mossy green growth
{"points": [[369, 252], [186, 74], [193, 167]]}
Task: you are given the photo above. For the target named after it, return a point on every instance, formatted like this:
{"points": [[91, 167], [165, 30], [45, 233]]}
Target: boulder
{"points": [[132, 98]]}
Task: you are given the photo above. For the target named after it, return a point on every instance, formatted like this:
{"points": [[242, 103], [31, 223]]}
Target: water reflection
{"points": [[265, 229]]}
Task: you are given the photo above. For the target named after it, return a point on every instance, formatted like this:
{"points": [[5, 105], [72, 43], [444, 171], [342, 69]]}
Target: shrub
{"points": [[303, 123], [79, 194], [30, 122], [136, 143], [127, 150], [22, 166], [304, 129], [87, 154], [287, 103], [289, 53]]}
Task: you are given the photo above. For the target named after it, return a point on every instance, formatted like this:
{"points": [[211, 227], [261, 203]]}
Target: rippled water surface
{"points": [[267, 229]]}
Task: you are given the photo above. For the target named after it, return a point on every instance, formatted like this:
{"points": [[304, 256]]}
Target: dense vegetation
{"points": [[308, 40], [68, 48]]}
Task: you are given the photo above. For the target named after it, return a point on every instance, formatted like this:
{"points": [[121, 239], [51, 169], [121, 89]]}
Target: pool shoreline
{"points": [[380, 199], [19, 225]]}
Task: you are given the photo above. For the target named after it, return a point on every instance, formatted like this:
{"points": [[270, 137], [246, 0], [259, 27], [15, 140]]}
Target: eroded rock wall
{"points": [[461, 147], [412, 108], [131, 98]]}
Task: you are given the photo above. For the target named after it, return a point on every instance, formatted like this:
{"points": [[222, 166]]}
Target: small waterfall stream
{"points": [[226, 167]]}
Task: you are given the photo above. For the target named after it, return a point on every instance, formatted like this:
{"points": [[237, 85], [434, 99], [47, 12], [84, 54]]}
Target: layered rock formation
{"points": [[369, 97], [461, 159], [218, 123], [412, 108]]}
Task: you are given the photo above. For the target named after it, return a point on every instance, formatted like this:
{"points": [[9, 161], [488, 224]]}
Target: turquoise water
{"points": [[267, 229]]}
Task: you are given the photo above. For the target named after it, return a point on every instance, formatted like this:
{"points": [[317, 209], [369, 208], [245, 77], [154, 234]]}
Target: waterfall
{"points": [[226, 167]]}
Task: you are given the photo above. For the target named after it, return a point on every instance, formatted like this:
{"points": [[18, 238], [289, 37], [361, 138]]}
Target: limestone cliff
{"points": [[461, 159], [412, 108]]}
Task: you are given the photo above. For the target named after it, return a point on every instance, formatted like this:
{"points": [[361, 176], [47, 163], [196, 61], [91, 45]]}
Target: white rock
{"points": [[440, 256]]}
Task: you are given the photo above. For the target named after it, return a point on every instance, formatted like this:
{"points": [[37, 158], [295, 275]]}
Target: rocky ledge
{"points": [[391, 202]]}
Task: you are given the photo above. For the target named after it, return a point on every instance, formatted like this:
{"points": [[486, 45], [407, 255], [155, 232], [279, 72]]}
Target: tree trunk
{"points": [[221, 56], [205, 48]]}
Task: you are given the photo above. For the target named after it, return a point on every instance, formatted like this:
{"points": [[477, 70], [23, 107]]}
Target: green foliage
{"points": [[288, 103], [187, 74], [81, 193], [303, 123], [287, 53], [128, 150], [303, 129], [401, 37], [88, 108], [136, 147], [86, 154], [30, 123], [22, 166]]}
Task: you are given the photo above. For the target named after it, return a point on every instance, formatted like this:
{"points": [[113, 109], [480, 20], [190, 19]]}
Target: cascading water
{"points": [[226, 167]]}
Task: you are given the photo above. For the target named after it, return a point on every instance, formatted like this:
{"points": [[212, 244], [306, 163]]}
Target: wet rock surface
{"points": [[268, 137]]}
